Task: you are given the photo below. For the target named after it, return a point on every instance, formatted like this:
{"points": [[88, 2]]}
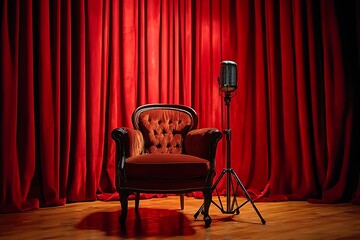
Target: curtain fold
{"points": [[72, 71]]}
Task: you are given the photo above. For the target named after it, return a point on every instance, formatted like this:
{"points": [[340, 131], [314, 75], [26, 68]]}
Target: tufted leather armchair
{"points": [[165, 153]]}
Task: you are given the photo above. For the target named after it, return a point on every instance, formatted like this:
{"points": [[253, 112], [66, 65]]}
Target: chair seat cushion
{"points": [[166, 166]]}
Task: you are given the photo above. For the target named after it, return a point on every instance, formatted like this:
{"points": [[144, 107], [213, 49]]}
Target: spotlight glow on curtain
{"points": [[71, 71]]}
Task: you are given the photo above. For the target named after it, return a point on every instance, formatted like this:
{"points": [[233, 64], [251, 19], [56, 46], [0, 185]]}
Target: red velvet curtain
{"points": [[71, 71]]}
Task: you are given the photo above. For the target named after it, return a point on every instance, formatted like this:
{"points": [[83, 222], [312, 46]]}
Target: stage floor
{"points": [[161, 218]]}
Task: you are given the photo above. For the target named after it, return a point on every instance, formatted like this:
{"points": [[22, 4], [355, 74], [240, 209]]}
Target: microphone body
{"points": [[228, 77]]}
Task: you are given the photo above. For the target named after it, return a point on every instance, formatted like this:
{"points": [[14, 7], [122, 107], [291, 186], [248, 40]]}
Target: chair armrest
{"points": [[203, 143], [129, 143]]}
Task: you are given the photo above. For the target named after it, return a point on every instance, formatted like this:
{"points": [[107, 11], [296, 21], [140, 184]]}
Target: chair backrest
{"points": [[164, 126]]}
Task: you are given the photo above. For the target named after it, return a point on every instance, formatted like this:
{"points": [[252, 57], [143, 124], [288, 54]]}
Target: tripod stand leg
{"points": [[248, 197], [234, 201], [201, 209]]}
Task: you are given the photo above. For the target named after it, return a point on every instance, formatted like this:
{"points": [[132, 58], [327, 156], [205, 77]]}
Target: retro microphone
{"points": [[228, 77], [227, 85]]}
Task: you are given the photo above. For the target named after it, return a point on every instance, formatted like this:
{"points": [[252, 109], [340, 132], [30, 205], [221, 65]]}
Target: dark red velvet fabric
{"points": [[185, 185], [196, 142], [166, 166], [72, 71]]}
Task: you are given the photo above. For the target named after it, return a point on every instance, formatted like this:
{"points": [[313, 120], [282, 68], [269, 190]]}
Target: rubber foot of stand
{"points": [[207, 221]]}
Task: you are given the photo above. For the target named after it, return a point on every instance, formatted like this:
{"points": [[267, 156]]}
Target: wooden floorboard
{"points": [[161, 218]]}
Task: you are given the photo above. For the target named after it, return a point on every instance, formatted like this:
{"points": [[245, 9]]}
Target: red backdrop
{"points": [[71, 71]]}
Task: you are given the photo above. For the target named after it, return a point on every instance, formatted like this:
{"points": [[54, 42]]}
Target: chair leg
{"points": [[137, 201], [124, 206], [182, 201], [207, 201]]}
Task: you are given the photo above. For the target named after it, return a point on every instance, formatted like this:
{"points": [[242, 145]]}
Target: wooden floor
{"points": [[160, 218]]}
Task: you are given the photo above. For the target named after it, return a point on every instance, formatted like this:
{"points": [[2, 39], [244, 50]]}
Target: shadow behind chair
{"points": [[165, 153]]}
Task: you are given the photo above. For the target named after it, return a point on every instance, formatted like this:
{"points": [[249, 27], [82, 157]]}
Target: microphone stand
{"points": [[231, 205]]}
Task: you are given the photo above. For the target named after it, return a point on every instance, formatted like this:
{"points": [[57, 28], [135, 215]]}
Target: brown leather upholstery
{"points": [[164, 152]]}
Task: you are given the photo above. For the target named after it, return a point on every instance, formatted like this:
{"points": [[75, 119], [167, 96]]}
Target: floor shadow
{"points": [[149, 223]]}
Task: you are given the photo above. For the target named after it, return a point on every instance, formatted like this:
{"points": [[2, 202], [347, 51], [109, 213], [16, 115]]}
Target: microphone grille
{"points": [[228, 76]]}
